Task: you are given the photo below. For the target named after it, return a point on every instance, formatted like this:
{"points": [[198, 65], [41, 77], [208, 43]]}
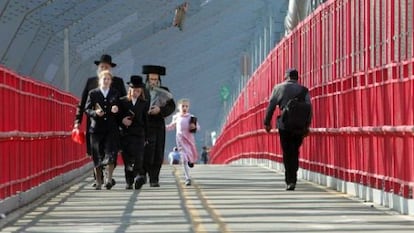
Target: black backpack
{"points": [[296, 114]]}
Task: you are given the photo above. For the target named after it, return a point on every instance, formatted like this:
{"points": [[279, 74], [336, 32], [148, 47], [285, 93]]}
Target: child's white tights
{"points": [[186, 170]]}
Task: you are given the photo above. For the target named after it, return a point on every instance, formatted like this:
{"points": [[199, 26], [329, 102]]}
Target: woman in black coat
{"points": [[134, 108], [102, 109], [105, 63]]}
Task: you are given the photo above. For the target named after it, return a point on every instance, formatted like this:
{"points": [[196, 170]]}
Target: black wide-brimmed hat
{"points": [[105, 58], [151, 69], [136, 81]]}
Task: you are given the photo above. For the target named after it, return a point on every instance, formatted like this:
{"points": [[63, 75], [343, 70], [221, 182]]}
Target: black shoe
{"points": [[113, 182], [108, 185], [94, 185], [128, 186], [138, 183], [154, 185], [187, 182], [190, 164], [291, 187]]}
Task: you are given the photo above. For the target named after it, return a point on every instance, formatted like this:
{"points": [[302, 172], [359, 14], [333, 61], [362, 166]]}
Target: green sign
{"points": [[224, 93]]}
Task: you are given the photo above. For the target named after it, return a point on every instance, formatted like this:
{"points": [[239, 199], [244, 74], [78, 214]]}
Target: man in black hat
{"points": [[105, 63], [161, 105], [134, 114], [290, 138]]}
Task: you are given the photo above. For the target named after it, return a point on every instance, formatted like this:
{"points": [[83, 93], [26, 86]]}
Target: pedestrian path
{"points": [[223, 198]]}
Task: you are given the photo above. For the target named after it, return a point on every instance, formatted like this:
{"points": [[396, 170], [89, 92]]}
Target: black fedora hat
{"points": [[151, 69], [105, 58], [136, 81]]}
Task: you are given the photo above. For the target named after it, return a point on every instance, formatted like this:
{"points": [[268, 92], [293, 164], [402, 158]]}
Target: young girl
{"points": [[102, 109], [184, 138], [133, 111]]}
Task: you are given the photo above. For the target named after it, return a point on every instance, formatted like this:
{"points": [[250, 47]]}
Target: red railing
{"points": [[357, 59], [35, 141]]}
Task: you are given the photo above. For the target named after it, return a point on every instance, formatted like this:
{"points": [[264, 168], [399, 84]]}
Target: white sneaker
{"points": [[187, 182]]}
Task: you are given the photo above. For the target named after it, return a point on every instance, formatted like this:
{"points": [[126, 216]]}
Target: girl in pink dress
{"points": [[184, 138]]}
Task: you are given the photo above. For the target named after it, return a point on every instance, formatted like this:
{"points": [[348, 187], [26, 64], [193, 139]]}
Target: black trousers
{"points": [[290, 146], [104, 148], [133, 157], [154, 152]]}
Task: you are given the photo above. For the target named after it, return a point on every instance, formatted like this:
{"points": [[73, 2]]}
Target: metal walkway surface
{"points": [[223, 198]]}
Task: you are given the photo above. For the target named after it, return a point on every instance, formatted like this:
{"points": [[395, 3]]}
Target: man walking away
{"points": [[293, 124]]}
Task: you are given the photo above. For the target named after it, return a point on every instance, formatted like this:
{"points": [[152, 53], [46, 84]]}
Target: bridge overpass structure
{"points": [[356, 58]]}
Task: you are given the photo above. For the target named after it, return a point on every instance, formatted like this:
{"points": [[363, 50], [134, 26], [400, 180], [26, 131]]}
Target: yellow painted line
{"points": [[189, 206], [212, 212], [194, 214]]}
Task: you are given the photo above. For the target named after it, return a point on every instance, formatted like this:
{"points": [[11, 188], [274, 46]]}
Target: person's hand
{"points": [[127, 121], [99, 112], [193, 126], [154, 110], [114, 109], [76, 126], [268, 128]]}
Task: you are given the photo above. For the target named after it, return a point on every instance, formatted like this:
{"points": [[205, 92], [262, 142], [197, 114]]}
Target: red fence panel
{"points": [[356, 57], [35, 142]]}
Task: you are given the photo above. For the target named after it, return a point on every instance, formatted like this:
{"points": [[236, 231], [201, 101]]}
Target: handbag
{"points": [[78, 136]]}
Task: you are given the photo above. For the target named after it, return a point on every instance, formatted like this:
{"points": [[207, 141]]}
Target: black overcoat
{"points": [[107, 122], [92, 83]]}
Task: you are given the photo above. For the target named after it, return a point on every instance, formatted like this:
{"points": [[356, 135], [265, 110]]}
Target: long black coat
{"points": [[133, 137], [92, 83], [154, 150], [104, 130]]}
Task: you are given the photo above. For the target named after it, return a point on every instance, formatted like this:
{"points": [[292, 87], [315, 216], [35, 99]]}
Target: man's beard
{"points": [[149, 86]]}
